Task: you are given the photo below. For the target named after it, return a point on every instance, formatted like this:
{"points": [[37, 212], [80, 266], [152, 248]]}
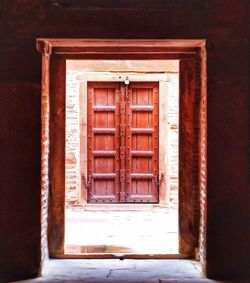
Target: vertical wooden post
{"points": [[57, 156], [188, 157], [203, 159], [44, 150]]}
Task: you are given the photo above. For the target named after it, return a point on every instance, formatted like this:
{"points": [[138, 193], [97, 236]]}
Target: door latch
{"points": [[86, 182], [126, 80]]}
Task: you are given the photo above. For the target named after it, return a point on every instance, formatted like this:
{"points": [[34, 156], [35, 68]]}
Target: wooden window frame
{"points": [[192, 133]]}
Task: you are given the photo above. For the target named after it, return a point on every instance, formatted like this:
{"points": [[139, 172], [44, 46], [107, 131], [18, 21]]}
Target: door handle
{"points": [[86, 182], [158, 180]]}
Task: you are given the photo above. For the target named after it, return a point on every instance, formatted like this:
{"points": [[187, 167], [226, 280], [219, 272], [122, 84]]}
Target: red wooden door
{"points": [[123, 142], [142, 141], [103, 142]]}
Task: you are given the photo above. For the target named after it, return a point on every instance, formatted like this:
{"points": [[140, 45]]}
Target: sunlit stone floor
{"points": [[142, 232], [124, 271]]}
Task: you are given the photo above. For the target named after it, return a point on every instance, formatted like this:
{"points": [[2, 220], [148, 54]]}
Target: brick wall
{"points": [[173, 125], [72, 176], [73, 140]]}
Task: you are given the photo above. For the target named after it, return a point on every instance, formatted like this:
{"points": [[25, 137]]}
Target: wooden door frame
{"points": [[193, 135]]}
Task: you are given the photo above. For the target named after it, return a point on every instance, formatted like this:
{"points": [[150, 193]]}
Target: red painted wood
{"points": [[123, 142], [142, 138], [103, 142]]}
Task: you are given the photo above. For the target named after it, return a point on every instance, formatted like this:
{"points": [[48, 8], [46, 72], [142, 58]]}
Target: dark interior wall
{"points": [[223, 23]]}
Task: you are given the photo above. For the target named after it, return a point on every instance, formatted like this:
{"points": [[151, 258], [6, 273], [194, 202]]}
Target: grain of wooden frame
{"points": [[192, 119]]}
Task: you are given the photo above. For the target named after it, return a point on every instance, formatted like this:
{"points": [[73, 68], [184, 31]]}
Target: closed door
{"points": [[123, 137]]}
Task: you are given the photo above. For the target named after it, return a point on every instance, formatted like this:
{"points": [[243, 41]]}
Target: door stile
{"points": [[117, 143], [122, 144], [90, 140], [90, 182], [155, 182], [128, 142]]}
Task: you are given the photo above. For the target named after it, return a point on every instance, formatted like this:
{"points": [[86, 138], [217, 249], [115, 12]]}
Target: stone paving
{"points": [[142, 232], [114, 270]]}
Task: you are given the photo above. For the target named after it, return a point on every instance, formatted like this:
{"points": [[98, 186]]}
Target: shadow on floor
{"points": [[128, 270]]}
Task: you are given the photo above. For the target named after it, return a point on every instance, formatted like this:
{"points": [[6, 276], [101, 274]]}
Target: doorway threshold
{"points": [[124, 207], [120, 256]]}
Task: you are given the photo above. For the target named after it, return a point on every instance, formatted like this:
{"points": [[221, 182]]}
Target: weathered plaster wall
{"points": [[223, 23], [72, 162]]}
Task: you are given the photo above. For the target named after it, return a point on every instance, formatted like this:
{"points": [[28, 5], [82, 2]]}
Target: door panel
{"points": [[123, 142], [103, 142]]}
